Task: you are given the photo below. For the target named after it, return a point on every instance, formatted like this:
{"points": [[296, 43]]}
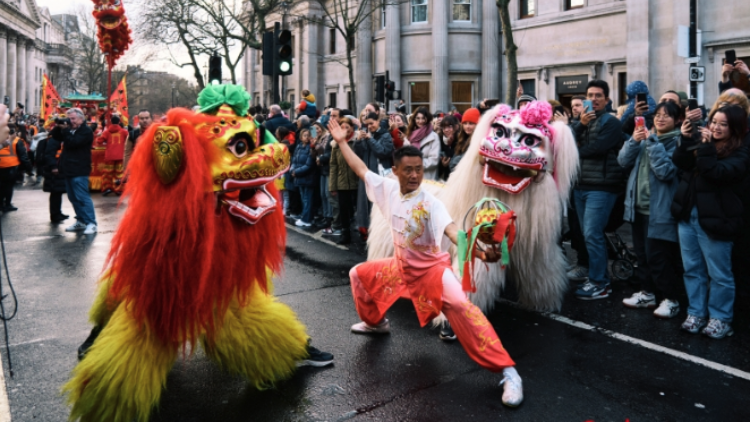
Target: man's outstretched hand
{"points": [[336, 131]]}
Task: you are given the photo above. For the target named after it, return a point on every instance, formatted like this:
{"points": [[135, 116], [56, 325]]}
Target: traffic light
{"points": [[268, 54], [379, 88], [214, 69], [390, 88], [283, 52]]}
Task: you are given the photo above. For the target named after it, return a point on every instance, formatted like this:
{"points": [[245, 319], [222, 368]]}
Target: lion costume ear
{"points": [[168, 152]]}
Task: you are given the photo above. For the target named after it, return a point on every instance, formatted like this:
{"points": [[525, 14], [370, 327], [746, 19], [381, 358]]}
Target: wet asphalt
{"points": [[569, 374]]}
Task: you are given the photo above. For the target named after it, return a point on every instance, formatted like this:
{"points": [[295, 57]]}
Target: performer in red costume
{"points": [[421, 229], [114, 138]]}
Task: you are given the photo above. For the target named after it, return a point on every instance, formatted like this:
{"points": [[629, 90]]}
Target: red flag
{"points": [[118, 102], [50, 99]]}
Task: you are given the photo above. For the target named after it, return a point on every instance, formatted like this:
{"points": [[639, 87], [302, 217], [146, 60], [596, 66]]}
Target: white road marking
{"points": [[4, 405], [643, 343], [317, 236]]}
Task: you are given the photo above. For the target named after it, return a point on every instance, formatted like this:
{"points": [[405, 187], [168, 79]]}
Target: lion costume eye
{"points": [[240, 144], [501, 131], [530, 141]]}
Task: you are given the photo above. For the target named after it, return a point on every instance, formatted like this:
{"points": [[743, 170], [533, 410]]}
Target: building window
{"points": [[622, 83], [293, 45], [528, 8], [461, 10], [332, 41], [382, 15], [418, 11], [419, 95], [332, 99], [574, 4], [461, 95], [529, 86]]}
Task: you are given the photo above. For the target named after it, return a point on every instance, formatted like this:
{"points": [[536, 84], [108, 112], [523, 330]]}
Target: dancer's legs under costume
{"points": [[376, 285]]}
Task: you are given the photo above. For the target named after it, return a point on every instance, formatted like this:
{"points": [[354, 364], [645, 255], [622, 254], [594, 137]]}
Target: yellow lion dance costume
{"points": [[192, 260]]}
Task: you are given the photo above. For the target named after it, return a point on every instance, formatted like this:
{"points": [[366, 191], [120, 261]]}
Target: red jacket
{"points": [[114, 138]]}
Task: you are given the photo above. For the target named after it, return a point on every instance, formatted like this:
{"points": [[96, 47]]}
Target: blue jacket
{"points": [[303, 166], [276, 121], [311, 110], [663, 181]]}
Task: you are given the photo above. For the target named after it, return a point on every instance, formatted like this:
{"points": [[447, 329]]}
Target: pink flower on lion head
{"points": [[537, 114]]}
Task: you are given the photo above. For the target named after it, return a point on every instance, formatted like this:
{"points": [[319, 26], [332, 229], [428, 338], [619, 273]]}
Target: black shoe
{"points": [[345, 240], [84, 348], [107, 192], [316, 358], [447, 334], [9, 208]]}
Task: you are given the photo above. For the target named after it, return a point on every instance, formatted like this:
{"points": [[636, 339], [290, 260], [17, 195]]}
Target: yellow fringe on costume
{"points": [[262, 341], [123, 374]]}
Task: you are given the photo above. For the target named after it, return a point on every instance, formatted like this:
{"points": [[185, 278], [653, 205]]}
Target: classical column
{"points": [[638, 52], [393, 42], [3, 62], [311, 63], [21, 71], [440, 86], [30, 83], [12, 69], [363, 69], [490, 51]]}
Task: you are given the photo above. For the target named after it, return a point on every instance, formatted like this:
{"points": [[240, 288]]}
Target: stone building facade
{"points": [[448, 53], [19, 22]]}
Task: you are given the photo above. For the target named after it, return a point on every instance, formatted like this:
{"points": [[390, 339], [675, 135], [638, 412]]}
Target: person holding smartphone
{"points": [[729, 68], [599, 138], [640, 103], [374, 146]]}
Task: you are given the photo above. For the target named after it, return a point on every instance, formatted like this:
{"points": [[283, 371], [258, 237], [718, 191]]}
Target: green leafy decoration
{"points": [[214, 96]]}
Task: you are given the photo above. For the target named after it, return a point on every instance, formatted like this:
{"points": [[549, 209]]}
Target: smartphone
{"points": [[560, 109], [692, 103], [640, 121], [640, 97], [730, 57], [587, 106], [491, 103]]}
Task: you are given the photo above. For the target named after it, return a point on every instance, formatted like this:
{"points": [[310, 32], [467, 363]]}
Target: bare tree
{"points": [[90, 63], [511, 76]]}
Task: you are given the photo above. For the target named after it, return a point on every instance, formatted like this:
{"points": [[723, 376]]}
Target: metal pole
{"points": [[693, 42], [275, 77], [387, 78]]}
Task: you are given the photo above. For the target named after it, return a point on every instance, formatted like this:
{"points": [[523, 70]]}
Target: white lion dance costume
{"points": [[520, 159]]}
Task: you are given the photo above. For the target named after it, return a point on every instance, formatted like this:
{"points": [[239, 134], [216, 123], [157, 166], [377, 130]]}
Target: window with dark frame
{"points": [[529, 86], [574, 4], [461, 95], [332, 99], [528, 8], [419, 95], [332, 41], [622, 83]]}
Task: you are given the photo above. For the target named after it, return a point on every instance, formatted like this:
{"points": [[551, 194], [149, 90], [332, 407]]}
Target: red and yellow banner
{"points": [[118, 102], [50, 99]]}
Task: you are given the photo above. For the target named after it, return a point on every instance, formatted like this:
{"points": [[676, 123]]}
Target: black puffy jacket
{"points": [[598, 146], [710, 183], [75, 159]]}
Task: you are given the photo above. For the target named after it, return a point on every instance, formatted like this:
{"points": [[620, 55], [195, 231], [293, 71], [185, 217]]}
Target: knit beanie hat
{"points": [[471, 115], [683, 98], [525, 97]]}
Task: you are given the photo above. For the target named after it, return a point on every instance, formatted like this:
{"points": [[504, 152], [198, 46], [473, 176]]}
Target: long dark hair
{"points": [[413, 121], [737, 123]]}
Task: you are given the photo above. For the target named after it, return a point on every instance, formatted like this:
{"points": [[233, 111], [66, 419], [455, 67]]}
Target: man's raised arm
{"points": [[339, 135]]}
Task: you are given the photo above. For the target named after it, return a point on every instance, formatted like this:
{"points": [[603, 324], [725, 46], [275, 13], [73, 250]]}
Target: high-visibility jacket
{"points": [[9, 155]]}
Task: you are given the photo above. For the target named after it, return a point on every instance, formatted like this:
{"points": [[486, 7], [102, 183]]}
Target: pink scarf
{"points": [[418, 135]]}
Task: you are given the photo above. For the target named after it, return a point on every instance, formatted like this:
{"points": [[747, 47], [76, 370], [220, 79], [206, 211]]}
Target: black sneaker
{"points": [[10, 208], [84, 348], [316, 358], [446, 333]]}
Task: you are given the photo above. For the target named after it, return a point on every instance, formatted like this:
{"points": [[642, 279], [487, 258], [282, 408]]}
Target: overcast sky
{"points": [[69, 6]]}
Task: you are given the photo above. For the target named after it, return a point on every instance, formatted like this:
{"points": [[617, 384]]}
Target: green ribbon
{"points": [[466, 240], [214, 96]]}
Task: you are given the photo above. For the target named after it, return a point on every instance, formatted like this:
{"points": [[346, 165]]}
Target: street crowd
{"points": [[676, 171]]}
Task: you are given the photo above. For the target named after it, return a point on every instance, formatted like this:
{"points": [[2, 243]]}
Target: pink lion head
{"points": [[517, 147]]}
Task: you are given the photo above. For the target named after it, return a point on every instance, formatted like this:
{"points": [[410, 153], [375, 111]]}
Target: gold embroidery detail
{"points": [[478, 319], [390, 279], [419, 215], [426, 305]]}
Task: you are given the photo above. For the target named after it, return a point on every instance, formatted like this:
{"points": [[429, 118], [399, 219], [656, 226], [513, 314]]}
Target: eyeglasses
{"points": [[662, 117]]}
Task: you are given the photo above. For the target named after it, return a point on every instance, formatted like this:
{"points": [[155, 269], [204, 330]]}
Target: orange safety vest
{"points": [[8, 156]]}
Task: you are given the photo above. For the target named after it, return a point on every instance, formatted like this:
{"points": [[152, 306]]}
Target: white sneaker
{"points": [[667, 309], [640, 299], [78, 226], [300, 223], [90, 228], [365, 328], [512, 387]]}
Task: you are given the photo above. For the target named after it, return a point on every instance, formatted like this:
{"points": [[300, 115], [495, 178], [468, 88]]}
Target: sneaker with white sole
{"points": [[446, 333], [578, 273], [365, 328], [693, 324], [316, 358], [90, 228], [512, 388], [593, 291], [718, 329], [642, 299], [78, 226], [667, 309], [300, 223]]}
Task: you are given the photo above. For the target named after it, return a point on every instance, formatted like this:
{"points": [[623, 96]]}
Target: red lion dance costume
{"points": [[191, 261], [114, 32]]}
